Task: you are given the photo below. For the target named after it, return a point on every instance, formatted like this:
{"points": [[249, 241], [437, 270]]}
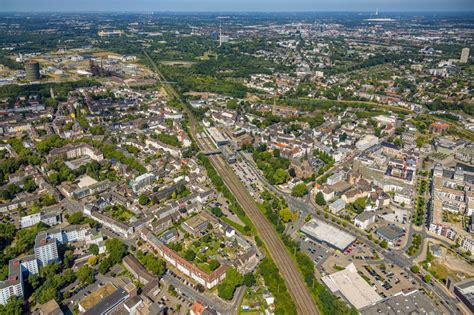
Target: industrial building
{"points": [[329, 234], [217, 136], [414, 302], [352, 287]]}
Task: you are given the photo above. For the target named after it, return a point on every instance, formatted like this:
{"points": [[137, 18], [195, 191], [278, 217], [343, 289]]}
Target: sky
{"points": [[235, 5]]}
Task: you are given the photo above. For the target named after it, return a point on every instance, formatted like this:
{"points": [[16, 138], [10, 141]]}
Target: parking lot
{"points": [[387, 279], [318, 253], [248, 178], [356, 253]]}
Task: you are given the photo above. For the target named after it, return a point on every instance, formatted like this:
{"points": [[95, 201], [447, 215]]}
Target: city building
{"points": [[13, 286], [390, 233], [328, 234], [209, 280], [46, 249], [50, 218], [413, 302], [337, 206], [464, 55], [217, 137], [352, 287], [367, 142], [142, 181], [73, 151], [364, 219], [465, 292], [439, 127], [452, 191], [335, 178]]}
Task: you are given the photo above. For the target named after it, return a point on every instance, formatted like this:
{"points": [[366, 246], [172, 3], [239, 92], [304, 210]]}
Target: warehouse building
{"points": [[329, 234], [350, 285]]}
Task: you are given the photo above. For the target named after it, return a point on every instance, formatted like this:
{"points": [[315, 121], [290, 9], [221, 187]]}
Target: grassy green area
{"points": [[235, 225], [119, 213], [441, 272]]}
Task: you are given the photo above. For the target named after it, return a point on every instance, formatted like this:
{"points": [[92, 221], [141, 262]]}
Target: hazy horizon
{"points": [[236, 6]]}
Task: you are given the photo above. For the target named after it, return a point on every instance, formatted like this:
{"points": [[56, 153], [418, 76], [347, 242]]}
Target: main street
{"points": [[293, 279]]}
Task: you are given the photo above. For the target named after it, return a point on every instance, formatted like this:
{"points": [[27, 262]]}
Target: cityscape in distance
{"points": [[236, 157]]}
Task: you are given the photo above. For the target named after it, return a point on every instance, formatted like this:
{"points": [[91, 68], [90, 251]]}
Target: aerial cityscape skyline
{"points": [[278, 161], [239, 6]]}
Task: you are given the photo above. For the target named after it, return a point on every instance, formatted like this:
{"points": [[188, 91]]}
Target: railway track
{"points": [[290, 273], [294, 282]]}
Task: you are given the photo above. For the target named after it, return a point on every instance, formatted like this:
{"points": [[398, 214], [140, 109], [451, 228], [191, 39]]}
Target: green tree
{"points": [[86, 274], [14, 306], [427, 278], [280, 176], [214, 264], [320, 199], [415, 269], [227, 287], [217, 212], [143, 199], [94, 249], [384, 244], [190, 255], [286, 215], [249, 279], [299, 190]]}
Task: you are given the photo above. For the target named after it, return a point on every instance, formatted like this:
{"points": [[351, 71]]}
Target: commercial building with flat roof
{"points": [[414, 302], [352, 287], [328, 234], [337, 206], [465, 292], [217, 136], [391, 233]]}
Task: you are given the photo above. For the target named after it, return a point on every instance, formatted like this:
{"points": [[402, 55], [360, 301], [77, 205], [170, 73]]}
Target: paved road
{"points": [[286, 266]]}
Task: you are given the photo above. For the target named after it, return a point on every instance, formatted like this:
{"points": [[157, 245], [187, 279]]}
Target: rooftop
{"points": [[108, 303], [95, 297], [414, 302], [352, 286], [328, 233]]}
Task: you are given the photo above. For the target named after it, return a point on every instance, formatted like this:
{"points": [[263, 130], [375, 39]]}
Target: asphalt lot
{"points": [[318, 253]]}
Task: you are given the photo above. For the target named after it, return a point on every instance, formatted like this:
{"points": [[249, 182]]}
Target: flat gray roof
{"points": [[108, 303], [414, 302], [328, 233]]}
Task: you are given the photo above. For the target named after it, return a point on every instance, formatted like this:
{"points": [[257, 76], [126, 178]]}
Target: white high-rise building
{"points": [[46, 249], [13, 286], [464, 55]]}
